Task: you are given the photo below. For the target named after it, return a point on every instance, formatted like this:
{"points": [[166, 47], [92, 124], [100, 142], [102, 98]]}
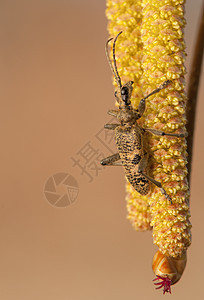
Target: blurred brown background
{"points": [[55, 90]]}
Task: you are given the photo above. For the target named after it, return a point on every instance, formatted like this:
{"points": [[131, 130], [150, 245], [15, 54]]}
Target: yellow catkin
{"points": [[126, 16], [150, 51]]}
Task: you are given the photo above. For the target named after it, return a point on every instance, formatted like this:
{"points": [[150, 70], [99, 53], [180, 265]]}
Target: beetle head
{"points": [[124, 92]]}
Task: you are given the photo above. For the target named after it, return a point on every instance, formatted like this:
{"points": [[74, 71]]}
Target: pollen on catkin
{"points": [[151, 50], [126, 16]]}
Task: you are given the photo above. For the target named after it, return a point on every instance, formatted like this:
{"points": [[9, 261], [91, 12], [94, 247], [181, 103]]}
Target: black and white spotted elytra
{"points": [[129, 135]]}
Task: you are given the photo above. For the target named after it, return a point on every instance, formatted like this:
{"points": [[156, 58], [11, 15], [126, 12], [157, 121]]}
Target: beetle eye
{"points": [[125, 95], [124, 91]]}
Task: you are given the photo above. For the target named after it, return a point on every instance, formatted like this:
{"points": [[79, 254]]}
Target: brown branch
{"points": [[193, 86]]}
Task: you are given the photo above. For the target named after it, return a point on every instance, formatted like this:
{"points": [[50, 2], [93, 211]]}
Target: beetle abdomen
{"points": [[139, 182], [128, 140], [131, 152]]}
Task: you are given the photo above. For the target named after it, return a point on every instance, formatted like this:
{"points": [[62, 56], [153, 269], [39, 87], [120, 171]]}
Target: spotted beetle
{"points": [[129, 135]]}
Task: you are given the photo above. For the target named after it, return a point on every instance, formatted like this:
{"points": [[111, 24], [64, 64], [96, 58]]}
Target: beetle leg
{"points": [[143, 163], [112, 160], [162, 133], [111, 126], [112, 112], [141, 167], [141, 107], [142, 104], [161, 87]]}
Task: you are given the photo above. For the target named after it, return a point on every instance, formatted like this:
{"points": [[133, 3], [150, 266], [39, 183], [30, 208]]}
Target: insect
{"points": [[129, 135], [168, 270]]}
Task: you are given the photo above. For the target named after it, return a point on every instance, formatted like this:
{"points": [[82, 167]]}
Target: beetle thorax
{"points": [[126, 116]]}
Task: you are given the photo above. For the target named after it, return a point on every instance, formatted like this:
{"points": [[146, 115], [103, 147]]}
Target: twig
{"points": [[193, 86]]}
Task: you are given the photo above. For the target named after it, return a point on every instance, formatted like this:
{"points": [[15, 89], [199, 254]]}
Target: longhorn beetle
{"points": [[129, 135]]}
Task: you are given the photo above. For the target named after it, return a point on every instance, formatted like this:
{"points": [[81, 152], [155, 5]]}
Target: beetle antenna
{"points": [[108, 57], [114, 71], [114, 60]]}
